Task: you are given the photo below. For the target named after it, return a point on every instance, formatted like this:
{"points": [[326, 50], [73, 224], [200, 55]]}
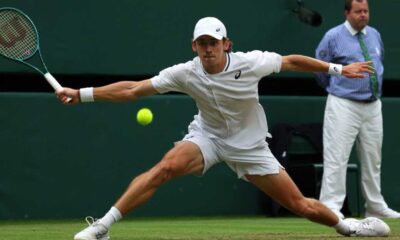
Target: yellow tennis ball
{"points": [[144, 116]]}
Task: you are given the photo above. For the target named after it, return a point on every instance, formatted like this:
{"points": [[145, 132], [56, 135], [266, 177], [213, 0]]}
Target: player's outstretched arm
{"points": [[301, 63], [115, 92]]}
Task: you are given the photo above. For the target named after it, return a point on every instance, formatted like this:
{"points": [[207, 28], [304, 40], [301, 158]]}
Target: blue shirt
{"points": [[340, 45]]}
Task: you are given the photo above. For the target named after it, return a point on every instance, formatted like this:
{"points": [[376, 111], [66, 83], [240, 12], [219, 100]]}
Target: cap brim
{"points": [[214, 35]]}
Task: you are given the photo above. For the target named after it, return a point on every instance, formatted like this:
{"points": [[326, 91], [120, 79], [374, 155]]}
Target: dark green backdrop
{"points": [[140, 37], [61, 161]]}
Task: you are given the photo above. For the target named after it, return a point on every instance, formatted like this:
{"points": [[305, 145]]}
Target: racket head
{"points": [[19, 38]]}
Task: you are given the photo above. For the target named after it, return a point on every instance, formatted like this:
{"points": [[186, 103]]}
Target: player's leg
{"points": [[185, 158], [260, 167], [284, 191]]}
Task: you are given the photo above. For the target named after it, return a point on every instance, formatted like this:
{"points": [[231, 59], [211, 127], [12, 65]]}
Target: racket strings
{"points": [[18, 37]]}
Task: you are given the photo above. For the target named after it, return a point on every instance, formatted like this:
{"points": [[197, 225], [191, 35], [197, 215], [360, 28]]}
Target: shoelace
{"points": [[93, 222], [366, 225], [90, 220]]}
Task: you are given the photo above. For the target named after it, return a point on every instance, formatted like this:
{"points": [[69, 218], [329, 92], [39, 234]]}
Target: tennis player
{"points": [[230, 126]]}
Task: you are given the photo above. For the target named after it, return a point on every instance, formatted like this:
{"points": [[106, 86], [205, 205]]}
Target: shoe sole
{"points": [[103, 238]]}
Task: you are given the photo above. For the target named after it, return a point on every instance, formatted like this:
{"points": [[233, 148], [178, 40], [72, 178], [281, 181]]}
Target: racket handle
{"points": [[54, 83]]}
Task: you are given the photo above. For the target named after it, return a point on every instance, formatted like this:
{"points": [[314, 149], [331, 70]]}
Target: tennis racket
{"points": [[19, 41]]}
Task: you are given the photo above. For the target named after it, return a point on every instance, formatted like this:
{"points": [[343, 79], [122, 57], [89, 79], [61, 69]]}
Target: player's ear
{"points": [[227, 44], [194, 48]]}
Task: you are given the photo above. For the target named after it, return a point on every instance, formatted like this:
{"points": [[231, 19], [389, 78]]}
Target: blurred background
{"points": [[69, 162], [95, 41]]}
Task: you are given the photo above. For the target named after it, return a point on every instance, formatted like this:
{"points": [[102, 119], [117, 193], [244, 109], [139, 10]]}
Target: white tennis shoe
{"points": [[368, 227], [95, 231]]}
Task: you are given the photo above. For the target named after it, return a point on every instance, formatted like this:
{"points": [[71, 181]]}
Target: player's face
{"points": [[358, 16], [211, 52]]}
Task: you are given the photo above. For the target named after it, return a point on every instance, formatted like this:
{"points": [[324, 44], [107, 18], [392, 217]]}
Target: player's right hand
{"points": [[68, 96]]}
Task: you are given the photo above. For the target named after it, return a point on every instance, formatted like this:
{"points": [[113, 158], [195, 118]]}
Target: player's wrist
{"points": [[86, 94], [335, 69]]}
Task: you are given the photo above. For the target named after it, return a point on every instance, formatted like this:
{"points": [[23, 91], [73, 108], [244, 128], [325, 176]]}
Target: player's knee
{"points": [[177, 162], [160, 174], [305, 207], [166, 169]]}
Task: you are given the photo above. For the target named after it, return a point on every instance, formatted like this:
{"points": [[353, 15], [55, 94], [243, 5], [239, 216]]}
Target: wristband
{"points": [[86, 94], [335, 69]]}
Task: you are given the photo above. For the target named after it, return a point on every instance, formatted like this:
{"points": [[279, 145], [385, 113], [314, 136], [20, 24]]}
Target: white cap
{"points": [[209, 26]]}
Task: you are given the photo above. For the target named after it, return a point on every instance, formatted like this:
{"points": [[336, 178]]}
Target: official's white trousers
{"points": [[346, 121]]}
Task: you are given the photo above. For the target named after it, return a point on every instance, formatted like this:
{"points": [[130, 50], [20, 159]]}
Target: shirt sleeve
{"points": [[264, 63], [170, 79], [323, 52]]}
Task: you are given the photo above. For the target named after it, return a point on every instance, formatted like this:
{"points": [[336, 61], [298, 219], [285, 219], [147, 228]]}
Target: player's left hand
{"points": [[357, 70]]}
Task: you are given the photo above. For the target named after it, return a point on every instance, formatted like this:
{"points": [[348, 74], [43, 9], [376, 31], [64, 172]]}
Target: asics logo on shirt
{"points": [[237, 75]]}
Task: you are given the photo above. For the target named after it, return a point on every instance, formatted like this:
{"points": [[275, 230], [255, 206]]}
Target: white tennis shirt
{"points": [[228, 102]]}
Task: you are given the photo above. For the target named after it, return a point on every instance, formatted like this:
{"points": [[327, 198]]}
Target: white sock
{"points": [[342, 227], [111, 217]]}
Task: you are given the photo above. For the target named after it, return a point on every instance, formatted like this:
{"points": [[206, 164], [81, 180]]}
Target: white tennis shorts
{"points": [[254, 161]]}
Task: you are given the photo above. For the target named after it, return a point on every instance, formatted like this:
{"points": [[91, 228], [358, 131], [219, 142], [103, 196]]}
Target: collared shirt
{"points": [[340, 45], [228, 102]]}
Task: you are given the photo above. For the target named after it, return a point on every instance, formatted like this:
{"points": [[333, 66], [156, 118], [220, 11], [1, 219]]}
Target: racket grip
{"points": [[53, 82]]}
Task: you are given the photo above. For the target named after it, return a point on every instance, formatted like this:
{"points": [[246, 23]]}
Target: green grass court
{"points": [[215, 228]]}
